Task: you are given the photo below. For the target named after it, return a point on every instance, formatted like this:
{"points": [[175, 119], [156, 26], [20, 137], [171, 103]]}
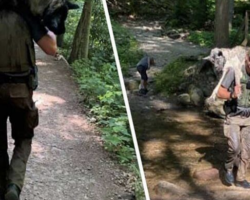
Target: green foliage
{"points": [[203, 38], [127, 48], [71, 25], [206, 38], [99, 85], [100, 89], [172, 76], [190, 14]]}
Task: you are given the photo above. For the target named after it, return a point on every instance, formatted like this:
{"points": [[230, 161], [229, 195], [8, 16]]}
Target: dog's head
{"points": [[55, 15]]}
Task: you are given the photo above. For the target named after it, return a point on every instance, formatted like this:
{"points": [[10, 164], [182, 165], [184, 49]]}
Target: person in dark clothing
{"points": [[17, 63], [142, 66]]}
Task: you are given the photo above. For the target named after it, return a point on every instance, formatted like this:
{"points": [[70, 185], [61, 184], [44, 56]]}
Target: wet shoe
{"points": [[229, 177], [244, 184], [12, 192]]}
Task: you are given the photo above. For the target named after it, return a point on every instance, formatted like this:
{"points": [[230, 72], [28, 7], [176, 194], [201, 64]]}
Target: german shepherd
{"points": [[53, 13]]}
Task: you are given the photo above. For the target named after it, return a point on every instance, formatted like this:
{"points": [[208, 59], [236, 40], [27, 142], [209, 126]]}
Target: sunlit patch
{"points": [[188, 116], [78, 121], [45, 101], [40, 63], [66, 135], [154, 149], [37, 148], [160, 104]]}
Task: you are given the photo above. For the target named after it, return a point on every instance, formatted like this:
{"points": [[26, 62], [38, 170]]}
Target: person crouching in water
{"points": [[143, 65]]}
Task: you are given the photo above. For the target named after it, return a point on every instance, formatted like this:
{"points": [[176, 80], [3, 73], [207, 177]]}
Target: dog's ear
{"points": [[72, 6]]}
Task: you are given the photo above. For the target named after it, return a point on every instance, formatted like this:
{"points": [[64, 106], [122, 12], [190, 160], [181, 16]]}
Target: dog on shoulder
{"points": [[53, 13]]}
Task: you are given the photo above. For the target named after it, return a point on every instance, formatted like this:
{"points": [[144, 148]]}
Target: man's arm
{"points": [[48, 43], [223, 91], [45, 39]]}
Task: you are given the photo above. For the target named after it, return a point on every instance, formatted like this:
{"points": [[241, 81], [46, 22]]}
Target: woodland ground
{"points": [[68, 160], [175, 142]]}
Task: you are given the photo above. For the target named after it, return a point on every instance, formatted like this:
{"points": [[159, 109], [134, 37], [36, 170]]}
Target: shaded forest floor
{"points": [[68, 160], [176, 142]]}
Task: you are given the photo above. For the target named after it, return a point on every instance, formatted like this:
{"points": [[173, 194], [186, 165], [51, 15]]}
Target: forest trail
{"points": [[68, 160], [176, 142], [162, 48]]}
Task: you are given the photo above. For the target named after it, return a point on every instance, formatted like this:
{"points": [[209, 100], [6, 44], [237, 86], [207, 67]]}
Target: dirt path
{"points": [[163, 49], [175, 142], [68, 160]]}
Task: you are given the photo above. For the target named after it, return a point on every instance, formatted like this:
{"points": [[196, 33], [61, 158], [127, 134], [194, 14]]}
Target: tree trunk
{"points": [[222, 23], [231, 13], [245, 41], [81, 39]]}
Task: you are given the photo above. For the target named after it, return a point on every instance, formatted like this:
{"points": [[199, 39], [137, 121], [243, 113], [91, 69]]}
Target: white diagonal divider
{"points": [[126, 99]]}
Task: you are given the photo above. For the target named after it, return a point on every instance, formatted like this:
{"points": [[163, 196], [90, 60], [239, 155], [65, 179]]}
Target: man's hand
{"points": [[237, 91]]}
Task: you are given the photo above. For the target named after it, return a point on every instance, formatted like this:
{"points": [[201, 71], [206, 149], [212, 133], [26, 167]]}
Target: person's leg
{"points": [[144, 78], [23, 118], [244, 158], [232, 132], [4, 159]]}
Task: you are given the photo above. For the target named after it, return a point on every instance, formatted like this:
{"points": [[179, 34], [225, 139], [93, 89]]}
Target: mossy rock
{"points": [[173, 75]]}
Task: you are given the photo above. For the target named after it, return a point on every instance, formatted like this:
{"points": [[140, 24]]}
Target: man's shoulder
{"points": [[230, 71]]}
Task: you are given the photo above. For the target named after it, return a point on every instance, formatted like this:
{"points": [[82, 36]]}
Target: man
{"points": [[143, 65], [237, 124], [17, 61]]}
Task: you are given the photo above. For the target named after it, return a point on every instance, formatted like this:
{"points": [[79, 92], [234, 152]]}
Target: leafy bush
{"points": [[203, 38], [99, 85], [100, 89], [166, 82], [206, 38]]}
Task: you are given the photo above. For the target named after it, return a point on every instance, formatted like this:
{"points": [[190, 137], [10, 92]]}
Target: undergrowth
{"points": [[206, 38], [100, 90], [165, 81], [127, 47]]}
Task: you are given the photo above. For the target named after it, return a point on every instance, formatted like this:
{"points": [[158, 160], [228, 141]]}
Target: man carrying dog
{"points": [[237, 124], [17, 82]]}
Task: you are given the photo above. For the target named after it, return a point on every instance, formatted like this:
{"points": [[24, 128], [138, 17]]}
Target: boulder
{"points": [[166, 188], [215, 107], [174, 36], [190, 71], [196, 95], [132, 84], [184, 99], [207, 90], [206, 174]]}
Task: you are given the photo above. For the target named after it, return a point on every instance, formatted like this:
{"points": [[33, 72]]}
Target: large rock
{"points": [[207, 90], [196, 95], [132, 84], [184, 99], [173, 34], [215, 107], [207, 174], [190, 71], [166, 188]]}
